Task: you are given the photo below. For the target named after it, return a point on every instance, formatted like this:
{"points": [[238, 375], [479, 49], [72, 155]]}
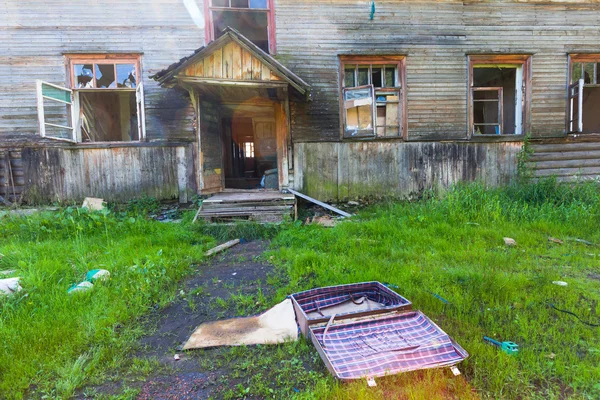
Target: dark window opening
{"points": [[108, 116], [590, 99], [252, 24]]}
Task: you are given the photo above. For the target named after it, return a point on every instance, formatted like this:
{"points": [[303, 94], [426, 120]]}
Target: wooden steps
{"points": [[568, 161], [250, 205]]}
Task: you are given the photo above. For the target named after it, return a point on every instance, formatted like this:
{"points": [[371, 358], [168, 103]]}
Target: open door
{"points": [[575, 97], [141, 116], [58, 112]]}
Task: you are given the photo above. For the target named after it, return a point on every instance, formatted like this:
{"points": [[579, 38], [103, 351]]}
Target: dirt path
{"points": [[230, 285]]}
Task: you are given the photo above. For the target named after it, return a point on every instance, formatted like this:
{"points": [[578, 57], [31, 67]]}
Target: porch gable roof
{"points": [[231, 58]]}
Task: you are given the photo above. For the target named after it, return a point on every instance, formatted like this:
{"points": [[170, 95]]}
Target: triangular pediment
{"points": [[231, 58]]}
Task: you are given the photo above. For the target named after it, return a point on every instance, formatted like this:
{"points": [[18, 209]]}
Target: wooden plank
{"points": [[228, 60], [256, 69], [217, 59], [319, 203], [246, 65], [222, 247], [236, 61]]}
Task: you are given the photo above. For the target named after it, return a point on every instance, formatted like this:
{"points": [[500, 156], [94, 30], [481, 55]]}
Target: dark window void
{"points": [[252, 24], [591, 105], [109, 116], [498, 104]]}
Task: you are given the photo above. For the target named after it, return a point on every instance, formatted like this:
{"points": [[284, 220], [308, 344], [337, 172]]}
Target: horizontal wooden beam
{"points": [[228, 82]]}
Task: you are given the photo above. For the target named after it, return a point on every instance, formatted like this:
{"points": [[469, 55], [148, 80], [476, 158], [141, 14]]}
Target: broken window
{"points": [[372, 97], [105, 101], [498, 92], [252, 18], [584, 94]]}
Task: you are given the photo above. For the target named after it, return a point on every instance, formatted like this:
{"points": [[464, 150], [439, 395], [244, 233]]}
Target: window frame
{"points": [[126, 58], [209, 30], [400, 62], [575, 90], [524, 60]]}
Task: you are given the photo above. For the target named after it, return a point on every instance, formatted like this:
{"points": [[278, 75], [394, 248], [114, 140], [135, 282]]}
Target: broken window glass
{"points": [[358, 106], [105, 75], [84, 76], [252, 24], [377, 76], [390, 76], [349, 78], [126, 76], [363, 76]]}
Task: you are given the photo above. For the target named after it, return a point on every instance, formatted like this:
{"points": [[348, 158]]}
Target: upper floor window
{"points": [[498, 87], [584, 93], [252, 18], [373, 99], [103, 101]]}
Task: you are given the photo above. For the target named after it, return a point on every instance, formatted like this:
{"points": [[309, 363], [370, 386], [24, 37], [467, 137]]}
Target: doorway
{"points": [[249, 148]]}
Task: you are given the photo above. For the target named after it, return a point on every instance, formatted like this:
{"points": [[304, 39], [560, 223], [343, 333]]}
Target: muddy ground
{"points": [[230, 285]]}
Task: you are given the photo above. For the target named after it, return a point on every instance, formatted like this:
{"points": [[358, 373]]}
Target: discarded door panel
{"points": [[386, 345], [345, 301]]}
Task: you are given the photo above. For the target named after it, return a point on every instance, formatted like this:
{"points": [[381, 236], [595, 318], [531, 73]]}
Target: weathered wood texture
{"points": [[436, 36], [211, 148], [231, 62], [567, 160], [35, 34], [117, 174], [341, 171]]}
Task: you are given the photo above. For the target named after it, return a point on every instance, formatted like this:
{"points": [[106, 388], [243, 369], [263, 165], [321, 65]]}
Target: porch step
{"points": [[251, 205]]}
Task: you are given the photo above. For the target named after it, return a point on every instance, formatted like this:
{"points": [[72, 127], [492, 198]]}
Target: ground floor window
{"points": [[102, 102], [584, 94], [372, 96], [498, 88]]}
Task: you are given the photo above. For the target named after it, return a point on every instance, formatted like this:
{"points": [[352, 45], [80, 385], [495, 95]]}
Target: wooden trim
{"points": [[585, 58], [517, 59], [375, 59], [228, 82]]}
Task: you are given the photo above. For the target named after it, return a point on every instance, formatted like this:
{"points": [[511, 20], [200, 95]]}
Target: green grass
{"points": [[52, 342], [453, 246]]}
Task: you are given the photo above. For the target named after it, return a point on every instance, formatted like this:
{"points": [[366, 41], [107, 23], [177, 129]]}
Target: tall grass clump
{"points": [[53, 342]]}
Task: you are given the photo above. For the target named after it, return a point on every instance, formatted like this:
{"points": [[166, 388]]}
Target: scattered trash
{"points": [[80, 287], [276, 325], [551, 356], [582, 241], [353, 203], [507, 347], [93, 204], [472, 223], [455, 370], [551, 305], [176, 357], [325, 221], [222, 247], [437, 296], [510, 242], [10, 286], [555, 240], [97, 274], [371, 382], [234, 274], [560, 283]]}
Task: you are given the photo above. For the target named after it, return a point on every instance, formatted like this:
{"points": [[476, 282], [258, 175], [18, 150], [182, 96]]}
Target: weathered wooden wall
{"points": [[350, 170], [568, 160], [436, 36], [34, 34], [114, 174]]}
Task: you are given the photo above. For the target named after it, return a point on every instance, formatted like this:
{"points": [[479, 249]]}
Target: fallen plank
{"points": [[5, 202], [197, 213], [320, 203], [222, 247]]}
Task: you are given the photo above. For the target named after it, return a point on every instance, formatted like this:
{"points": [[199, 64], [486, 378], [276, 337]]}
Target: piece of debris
{"points": [[353, 203], [510, 242], [325, 221], [320, 203], [176, 357], [276, 325], [555, 240], [507, 347], [93, 204], [80, 287], [11, 271], [97, 274], [551, 356], [5, 202], [222, 247], [560, 283], [584, 242], [371, 382], [455, 370], [10, 286]]}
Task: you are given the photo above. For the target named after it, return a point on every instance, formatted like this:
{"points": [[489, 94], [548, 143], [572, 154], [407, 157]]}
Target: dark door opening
{"points": [[250, 153]]}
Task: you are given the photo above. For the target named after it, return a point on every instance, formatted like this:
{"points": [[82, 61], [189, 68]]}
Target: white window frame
{"points": [[73, 110]]}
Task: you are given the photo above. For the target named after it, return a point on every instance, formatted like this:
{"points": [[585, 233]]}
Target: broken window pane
{"points": [[105, 75], [220, 3], [252, 24], [258, 3], [126, 76], [499, 78], [84, 76], [363, 76], [108, 116], [377, 76], [576, 72], [239, 3], [390, 76], [588, 73], [349, 78], [358, 104]]}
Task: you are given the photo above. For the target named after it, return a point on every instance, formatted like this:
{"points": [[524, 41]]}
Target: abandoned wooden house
{"points": [[336, 99]]}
